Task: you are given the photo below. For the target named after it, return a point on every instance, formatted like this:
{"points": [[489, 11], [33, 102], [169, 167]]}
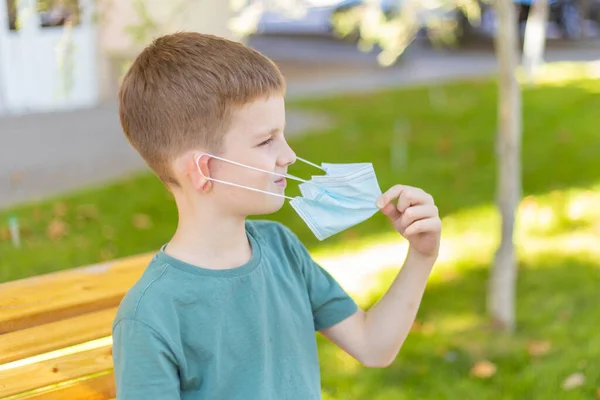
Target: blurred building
{"points": [[69, 54]]}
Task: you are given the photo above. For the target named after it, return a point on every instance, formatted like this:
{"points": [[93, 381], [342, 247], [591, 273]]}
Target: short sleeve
{"points": [[329, 301], [144, 366]]}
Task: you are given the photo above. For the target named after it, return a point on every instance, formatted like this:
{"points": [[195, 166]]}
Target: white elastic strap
{"points": [[309, 163], [255, 169], [241, 186], [247, 166], [246, 187]]}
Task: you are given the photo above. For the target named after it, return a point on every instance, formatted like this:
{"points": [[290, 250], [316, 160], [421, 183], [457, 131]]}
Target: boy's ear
{"points": [[198, 172]]}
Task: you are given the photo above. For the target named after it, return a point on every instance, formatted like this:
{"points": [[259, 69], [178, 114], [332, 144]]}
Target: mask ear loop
{"points": [[249, 167], [245, 166], [310, 163]]}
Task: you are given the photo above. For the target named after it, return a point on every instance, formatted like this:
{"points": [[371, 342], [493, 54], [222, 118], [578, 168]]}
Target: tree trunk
{"points": [[535, 38], [501, 291]]}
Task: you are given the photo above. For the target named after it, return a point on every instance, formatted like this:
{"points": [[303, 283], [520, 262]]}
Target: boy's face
{"points": [[255, 138]]}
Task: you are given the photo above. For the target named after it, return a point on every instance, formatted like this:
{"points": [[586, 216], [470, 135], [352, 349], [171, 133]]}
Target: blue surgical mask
{"points": [[330, 203], [358, 182]]}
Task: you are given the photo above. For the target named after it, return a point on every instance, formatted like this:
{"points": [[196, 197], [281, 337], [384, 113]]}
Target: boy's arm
{"points": [[375, 337], [144, 366]]}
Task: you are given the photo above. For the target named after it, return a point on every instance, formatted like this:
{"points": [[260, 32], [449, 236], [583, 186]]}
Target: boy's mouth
{"points": [[282, 182]]}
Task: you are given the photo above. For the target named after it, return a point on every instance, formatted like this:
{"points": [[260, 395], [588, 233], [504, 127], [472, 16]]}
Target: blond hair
{"points": [[180, 92]]}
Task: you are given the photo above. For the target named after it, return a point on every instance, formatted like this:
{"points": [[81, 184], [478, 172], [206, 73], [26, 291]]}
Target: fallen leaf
{"points": [[57, 229], [483, 369], [5, 234], [87, 212], [573, 381], [60, 210], [444, 145], [537, 348], [564, 136], [598, 393], [141, 221]]}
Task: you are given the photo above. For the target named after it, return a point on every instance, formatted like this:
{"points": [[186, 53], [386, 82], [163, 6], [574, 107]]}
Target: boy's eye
{"points": [[266, 142]]}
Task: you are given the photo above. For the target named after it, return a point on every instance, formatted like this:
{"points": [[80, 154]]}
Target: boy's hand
{"points": [[415, 216]]}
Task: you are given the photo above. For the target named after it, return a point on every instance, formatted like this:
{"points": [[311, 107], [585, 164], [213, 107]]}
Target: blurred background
{"points": [[414, 87]]}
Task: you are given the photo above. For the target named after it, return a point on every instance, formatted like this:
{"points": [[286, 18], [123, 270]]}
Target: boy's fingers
{"points": [[413, 196], [392, 194], [399, 198], [390, 211], [415, 213], [423, 226], [407, 198]]}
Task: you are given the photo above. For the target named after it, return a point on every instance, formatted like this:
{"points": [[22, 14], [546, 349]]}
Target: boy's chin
{"points": [[269, 207]]}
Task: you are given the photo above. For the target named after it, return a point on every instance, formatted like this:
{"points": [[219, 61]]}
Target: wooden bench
{"points": [[55, 331]]}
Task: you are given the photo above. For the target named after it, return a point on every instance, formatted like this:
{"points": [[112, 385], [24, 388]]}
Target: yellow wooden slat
{"points": [[96, 388], [56, 335], [24, 378], [52, 297]]}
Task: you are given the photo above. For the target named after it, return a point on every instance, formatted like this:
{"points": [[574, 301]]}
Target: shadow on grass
{"points": [[557, 302]]}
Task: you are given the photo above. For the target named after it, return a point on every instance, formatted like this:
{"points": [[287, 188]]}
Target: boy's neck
{"points": [[210, 240]]}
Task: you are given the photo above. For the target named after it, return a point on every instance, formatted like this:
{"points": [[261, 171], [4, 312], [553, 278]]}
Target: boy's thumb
{"points": [[390, 210]]}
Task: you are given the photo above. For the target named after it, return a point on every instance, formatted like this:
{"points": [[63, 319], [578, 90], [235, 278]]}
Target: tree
{"points": [[501, 290], [393, 35]]}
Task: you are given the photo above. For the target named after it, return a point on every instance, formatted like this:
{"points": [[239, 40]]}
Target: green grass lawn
{"points": [[557, 336], [450, 153]]}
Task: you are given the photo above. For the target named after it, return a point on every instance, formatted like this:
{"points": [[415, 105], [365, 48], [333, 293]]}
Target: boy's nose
{"points": [[288, 157]]}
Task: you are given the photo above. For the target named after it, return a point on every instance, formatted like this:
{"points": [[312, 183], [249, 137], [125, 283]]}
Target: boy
{"points": [[229, 308]]}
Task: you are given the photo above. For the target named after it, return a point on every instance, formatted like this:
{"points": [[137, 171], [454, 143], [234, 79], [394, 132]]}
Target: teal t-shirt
{"points": [[247, 333]]}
